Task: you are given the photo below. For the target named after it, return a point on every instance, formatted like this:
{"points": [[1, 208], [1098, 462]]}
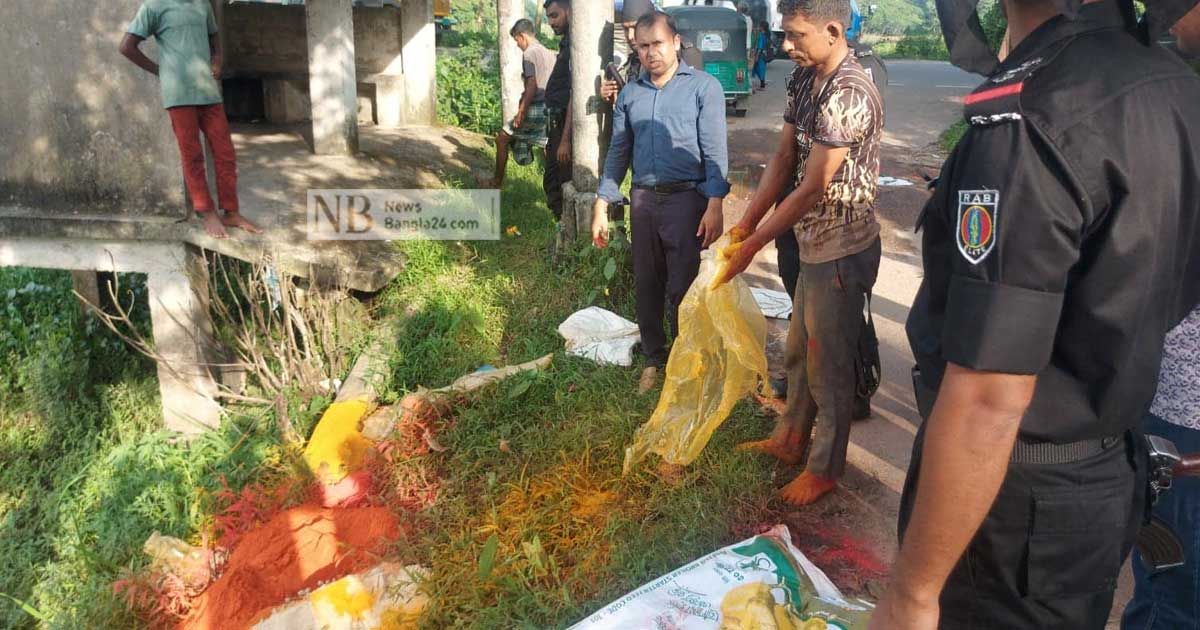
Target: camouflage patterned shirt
{"points": [[846, 112]]}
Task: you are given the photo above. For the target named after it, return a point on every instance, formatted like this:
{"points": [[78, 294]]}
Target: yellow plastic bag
{"points": [[717, 359], [337, 447]]}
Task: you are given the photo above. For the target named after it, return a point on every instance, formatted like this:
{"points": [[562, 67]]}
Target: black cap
{"points": [[634, 9]]}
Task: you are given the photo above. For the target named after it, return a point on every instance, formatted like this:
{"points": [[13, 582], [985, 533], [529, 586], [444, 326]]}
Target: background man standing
{"points": [[1171, 599], [558, 109], [632, 69], [1059, 248], [670, 123], [190, 55], [631, 11], [830, 149], [528, 127]]}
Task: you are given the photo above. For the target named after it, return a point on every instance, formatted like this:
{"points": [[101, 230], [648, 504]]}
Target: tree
{"points": [[892, 17], [475, 15], [991, 16]]}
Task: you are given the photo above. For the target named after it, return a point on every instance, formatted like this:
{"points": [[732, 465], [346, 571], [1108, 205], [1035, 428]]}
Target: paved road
{"points": [[922, 100]]}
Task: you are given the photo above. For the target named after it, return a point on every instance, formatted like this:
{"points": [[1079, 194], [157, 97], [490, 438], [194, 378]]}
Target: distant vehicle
{"points": [[442, 18], [722, 36]]}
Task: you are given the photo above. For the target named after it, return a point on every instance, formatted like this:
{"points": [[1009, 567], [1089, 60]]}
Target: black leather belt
{"points": [[1025, 451], [1030, 452], [667, 188]]}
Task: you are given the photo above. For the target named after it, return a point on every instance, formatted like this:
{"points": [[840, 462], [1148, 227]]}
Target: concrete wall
{"points": [[82, 131], [270, 40]]}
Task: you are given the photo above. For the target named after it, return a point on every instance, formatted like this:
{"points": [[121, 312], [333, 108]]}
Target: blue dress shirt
{"points": [[671, 134]]}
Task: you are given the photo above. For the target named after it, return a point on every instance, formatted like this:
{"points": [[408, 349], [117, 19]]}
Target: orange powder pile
{"points": [[296, 550]]}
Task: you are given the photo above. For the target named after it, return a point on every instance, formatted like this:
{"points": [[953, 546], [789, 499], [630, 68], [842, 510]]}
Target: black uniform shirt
{"points": [[558, 88], [1062, 239]]}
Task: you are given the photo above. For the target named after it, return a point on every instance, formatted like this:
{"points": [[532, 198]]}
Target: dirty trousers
{"points": [[822, 343], [189, 122], [1048, 553], [666, 259]]}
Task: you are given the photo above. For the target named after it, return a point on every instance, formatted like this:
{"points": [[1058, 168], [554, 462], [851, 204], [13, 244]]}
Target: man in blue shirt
{"points": [[670, 123]]}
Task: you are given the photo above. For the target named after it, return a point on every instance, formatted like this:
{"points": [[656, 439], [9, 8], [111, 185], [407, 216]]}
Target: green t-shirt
{"points": [[182, 28]]}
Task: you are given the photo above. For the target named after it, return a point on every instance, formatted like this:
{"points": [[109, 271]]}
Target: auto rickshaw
{"points": [[722, 36]]}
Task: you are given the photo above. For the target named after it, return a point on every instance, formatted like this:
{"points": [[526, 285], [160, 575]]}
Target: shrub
{"points": [[922, 45], [468, 85]]}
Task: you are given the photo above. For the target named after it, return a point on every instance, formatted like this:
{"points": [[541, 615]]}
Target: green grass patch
{"points": [[86, 471], [533, 527], [950, 137]]}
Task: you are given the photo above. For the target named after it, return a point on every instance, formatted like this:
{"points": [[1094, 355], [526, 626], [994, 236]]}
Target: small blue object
{"points": [[484, 368], [274, 291], [855, 21]]}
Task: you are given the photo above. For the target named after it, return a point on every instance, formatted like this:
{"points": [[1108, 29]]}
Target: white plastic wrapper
{"points": [[773, 304], [601, 336], [764, 583]]}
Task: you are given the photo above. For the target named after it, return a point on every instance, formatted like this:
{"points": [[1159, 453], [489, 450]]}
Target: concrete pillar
{"points": [[183, 337], [419, 61], [390, 101], [591, 50], [511, 85], [332, 82], [389, 97]]}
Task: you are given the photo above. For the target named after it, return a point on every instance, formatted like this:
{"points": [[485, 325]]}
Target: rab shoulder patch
{"points": [[977, 210]]}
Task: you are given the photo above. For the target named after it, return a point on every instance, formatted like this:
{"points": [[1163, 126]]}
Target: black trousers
{"points": [[1048, 553], [556, 173], [787, 254], [666, 259]]}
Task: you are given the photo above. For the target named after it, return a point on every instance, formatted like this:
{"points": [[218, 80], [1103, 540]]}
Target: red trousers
{"points": [[189, 122]]}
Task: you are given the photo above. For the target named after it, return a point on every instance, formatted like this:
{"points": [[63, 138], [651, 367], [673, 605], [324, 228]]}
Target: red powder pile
{"points": [[298, 549]]}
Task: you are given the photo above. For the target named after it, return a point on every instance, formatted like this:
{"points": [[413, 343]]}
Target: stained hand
{"points": [[737, 257]]}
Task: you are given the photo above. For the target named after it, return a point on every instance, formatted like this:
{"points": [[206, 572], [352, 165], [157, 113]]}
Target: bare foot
{"points": [[648, 380], [236, 220], [806, 489], [213, 224], [788, 455]]}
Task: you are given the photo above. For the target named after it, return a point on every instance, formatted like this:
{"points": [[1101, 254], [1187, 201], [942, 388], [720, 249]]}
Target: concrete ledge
{"points": [[178, 291], [359, 266]]}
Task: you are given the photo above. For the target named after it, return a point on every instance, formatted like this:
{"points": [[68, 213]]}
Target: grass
{"points": [[86, 473], [533, 469], [533, 525], [885, 49], [950, 137]]}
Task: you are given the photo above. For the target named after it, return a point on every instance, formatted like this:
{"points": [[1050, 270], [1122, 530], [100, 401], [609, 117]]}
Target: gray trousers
{"points": [[822, 343], [666, 259]]}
